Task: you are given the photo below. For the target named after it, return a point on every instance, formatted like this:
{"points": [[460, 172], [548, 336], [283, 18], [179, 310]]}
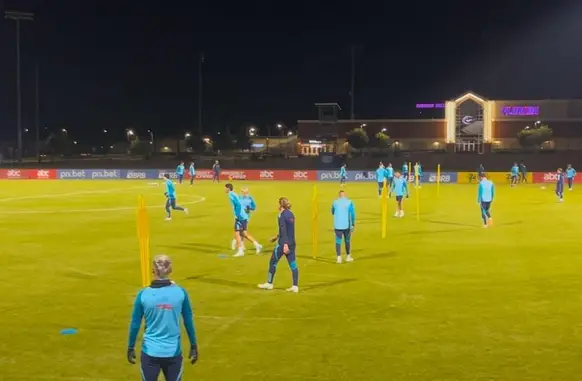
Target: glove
{"points": [[131, 355], [353, 229], [166, 194], [193, 356], [248, 210]]}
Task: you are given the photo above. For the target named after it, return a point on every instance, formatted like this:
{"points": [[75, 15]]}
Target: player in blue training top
{"points": [[162, 304], [514, 174], [343, 175], [216, 172], [192, 171], [480, 170], [485, 197], [344, 223], [389, 175], [522, 172], [180, 172], [418, 172], [285, 247], [560, 185], [248, 204], [380, 176], [405, 171], [400, 189], [171, 198], [570, 175], [241, 219]]}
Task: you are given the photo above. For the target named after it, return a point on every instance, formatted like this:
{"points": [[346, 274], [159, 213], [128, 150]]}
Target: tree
{"points": [[381, 140], [140, 147], [534, 137], [357, 138], [60, 144], [196, 142], [225, 142]]}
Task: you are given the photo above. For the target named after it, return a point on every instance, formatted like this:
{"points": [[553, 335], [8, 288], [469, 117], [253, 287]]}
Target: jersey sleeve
{"points": [[253, 205], [188, 317], [480, 193], [135, 323], [283, 229], [352, 214], [236, 206], [492, 191]]}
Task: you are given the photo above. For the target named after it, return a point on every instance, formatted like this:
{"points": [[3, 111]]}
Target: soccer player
{"points": [[171, 198], [485, 198], [344, 223], [380, 176], [248, 204], [192, 170], [285, 247], [400, 189], [418, 172], [343, 175], [405, 171], [389, 174], [514, 174], [180, 172], [216, 172], [522, 172], [480, 170], [570, 175], [560, 185], [241, 219], [161, 304]]}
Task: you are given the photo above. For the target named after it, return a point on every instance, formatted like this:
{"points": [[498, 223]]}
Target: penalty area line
{"points": [[38, 197]]}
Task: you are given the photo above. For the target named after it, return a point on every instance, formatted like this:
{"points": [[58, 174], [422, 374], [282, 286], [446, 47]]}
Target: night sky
{"points": [[120, 64]]}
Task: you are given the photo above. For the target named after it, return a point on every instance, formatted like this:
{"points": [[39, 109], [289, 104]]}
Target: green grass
{"points": [[439, 299]]}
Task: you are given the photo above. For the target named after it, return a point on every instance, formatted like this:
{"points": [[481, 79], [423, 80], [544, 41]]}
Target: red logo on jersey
{"points": [[167, 307]]}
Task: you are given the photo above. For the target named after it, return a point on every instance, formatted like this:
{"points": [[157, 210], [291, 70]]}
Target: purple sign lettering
{"points": [[520, 110], [430, 105]]}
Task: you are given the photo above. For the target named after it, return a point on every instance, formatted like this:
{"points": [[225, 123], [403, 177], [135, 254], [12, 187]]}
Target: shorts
{"points": [[241, 225], [399, 198], [171, 202], [291, 257], [485, 205], [342, 233], [171, 367]]}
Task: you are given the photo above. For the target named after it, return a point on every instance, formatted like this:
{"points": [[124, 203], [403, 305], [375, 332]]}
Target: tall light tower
{"points": [[18, 16]]}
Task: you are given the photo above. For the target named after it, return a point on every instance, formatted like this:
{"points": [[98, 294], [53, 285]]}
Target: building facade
{"points": [[471, 124]]}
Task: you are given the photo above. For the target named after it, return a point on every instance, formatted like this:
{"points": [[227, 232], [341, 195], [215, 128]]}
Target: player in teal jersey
{"points": [[570, 175], [400, 189]]}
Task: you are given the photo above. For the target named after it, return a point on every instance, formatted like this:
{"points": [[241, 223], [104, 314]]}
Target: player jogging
{"points": [[241, 219], [248, 204], [285, 247], [162, 304], [560, 185], [514, 174], [380, 176], [389, 174], [192, 170], [180, 172], [522, 172], [343, 175], [171, 198], [485, 198], [400, 189], [344, 223], [216, 172], [570, 175]]}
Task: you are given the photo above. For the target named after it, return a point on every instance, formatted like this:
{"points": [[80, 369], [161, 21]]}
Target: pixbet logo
{"points": [[267, 175], [365, 176], [173, 175], [298, 175], [105, 174], [444, 179], [329, 176], [135, 175], [72, 174], [13, 174]]}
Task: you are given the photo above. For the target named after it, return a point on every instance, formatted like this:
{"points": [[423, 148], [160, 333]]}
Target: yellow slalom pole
{"points": [[384, 208], [143, 237], [314, 229], [417, 183], [438, 180]]}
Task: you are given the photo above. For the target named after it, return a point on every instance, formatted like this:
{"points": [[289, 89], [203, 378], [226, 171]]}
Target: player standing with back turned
{"points": [[485, 198], [180, 172], [570, 175], [343, 175], [171, 198], [344, 223], [285, 247]]}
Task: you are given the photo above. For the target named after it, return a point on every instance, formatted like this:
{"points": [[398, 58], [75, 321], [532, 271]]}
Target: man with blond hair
{"points": [[161, 304]]}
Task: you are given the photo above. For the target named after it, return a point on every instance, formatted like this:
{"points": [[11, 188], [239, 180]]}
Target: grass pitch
{"points": [[439, 299]]}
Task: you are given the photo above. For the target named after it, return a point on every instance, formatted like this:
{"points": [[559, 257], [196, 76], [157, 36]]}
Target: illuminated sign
{"points": [[520, 110], [467, 120], [430, 105]]}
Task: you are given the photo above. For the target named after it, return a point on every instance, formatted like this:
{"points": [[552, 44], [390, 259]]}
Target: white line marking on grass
{"points": [[209, 317], [20, 212], [67, 194]]}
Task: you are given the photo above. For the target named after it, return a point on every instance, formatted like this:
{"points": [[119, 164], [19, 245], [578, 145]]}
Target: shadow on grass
{"points": [[201, 248], [332, 260], [511, 223], [332, 283], [221, 282]]}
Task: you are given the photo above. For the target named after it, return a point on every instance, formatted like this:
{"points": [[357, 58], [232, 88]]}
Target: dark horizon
{"points": [[134, 66]]}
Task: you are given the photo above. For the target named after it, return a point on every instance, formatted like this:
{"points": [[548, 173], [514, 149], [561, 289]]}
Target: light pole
{"points": [[18, 16]]}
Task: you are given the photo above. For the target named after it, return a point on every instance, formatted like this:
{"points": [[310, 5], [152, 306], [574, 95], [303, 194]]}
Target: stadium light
{"points": [[75, 142], [26, 130], [289, 133], [104, 131], [64, 130], [384, 130], [187, 135], [362, 125], [279, 125], [130, 132]]}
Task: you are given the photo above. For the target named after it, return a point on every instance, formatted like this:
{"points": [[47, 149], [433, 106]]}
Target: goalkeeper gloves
{"points": [[131, 355], [193, 356]]}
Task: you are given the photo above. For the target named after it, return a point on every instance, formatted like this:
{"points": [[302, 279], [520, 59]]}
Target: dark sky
{"points": [[115, 64]]}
